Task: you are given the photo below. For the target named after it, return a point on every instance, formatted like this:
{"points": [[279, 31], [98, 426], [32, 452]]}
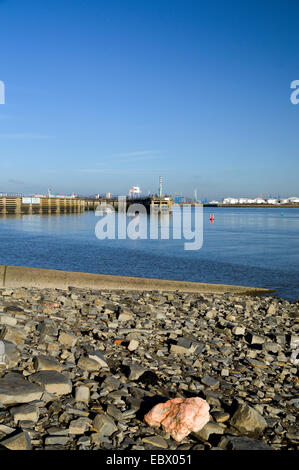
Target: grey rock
{"points": [[52, 381], [20, 441], [104, 425], [14, 389]]}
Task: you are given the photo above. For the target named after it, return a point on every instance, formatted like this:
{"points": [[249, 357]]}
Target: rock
{"points": [[47, 363], [13, 309], [179, 417], [207, 430], [136, 371], [247, 420], [100, 358], [82, 394], [271, 309], [245, 443], [210, 382], [86, 363], [239, 330], [20, 441], [79, 426], [27, 412], [13, 334], [294, 341], [56, 440], [220, 416], [133, 345], [104, 425], [211, 314], [255, 339], [14, 389], [156, 441], [67, 339], [186, 346], [8, 320], [125, 316], [52, 381], [2, 353]]}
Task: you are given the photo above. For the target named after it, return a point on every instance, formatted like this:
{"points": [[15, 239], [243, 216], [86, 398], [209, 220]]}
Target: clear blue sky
{"points": [[102, 95]]}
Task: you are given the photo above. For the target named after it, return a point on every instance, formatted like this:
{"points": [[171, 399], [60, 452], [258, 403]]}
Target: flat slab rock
{"points": [[14, 389], [52, 381]]}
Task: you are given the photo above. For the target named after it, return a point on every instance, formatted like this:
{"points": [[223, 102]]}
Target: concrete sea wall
{"points": [[19, 276]]}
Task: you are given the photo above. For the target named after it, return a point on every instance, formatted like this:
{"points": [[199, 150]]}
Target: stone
{"points": [[47, 363], [211, 314], [125, 316], [156, 441], [100, 358], [210, 382], [20, 441], [207, 430], [136, 371], [14, 389], [13, 334], [186, 346], [79, 426], [27, 412], [246, 443], [255, 339], [52, 381], [247, 420], [220, 416], [8, 320], [82, 394], [104, 425], [133, 345], [271, 309], [86, 363], [239, 330], [67, 339], [56, 440], [179, 417]]}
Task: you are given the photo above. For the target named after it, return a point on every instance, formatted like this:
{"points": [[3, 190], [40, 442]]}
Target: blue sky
{"points": [[102, 95]]}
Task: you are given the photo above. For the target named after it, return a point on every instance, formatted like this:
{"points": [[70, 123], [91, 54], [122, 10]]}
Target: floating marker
{"points": [[212, 218]]}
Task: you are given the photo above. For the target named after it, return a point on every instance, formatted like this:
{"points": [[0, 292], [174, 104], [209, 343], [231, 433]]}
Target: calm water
{"points": [[255, 247]]}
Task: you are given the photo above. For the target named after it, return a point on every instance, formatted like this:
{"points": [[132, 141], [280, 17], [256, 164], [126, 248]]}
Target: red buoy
{"points": [[212, 218]]}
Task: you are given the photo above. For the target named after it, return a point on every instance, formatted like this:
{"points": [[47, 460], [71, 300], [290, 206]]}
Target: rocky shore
{"points": [[79, 369]]}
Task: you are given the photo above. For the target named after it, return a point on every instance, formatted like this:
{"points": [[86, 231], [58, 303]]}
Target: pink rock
{"points": [[179, 417]]}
